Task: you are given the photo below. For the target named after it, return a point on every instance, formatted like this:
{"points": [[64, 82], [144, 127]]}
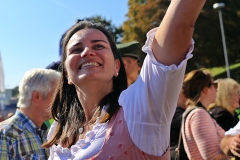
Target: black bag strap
{"points": [[185, 114]]}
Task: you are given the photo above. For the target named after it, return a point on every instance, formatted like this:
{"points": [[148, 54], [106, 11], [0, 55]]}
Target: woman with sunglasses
{"points": [[227, 101], [201, 134]]}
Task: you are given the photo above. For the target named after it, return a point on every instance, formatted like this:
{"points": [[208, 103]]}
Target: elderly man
{"points": [[22, 135], [130, 58]]}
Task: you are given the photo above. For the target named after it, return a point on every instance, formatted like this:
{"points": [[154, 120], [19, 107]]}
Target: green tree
{"points": [[144, 15], [209, 47], [117, 32]]}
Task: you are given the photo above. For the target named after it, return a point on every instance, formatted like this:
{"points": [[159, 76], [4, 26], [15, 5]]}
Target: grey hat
{"points": [[129, 49]]}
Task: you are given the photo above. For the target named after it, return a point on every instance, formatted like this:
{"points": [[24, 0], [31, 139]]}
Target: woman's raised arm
{"points": [[173, 37]]}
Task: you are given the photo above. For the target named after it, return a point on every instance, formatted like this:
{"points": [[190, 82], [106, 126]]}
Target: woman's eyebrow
{"points": [[98, 40], [76, 44], [93, 41]]}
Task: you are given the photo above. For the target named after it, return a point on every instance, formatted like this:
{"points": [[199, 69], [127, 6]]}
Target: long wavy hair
{"points": [[66, 108]]}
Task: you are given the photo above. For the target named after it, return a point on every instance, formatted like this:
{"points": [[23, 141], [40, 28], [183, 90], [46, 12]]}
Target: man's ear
{"points": [[36, 96]]}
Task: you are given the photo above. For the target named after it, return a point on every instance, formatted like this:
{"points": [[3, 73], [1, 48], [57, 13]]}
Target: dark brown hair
{"points": [[194, 82], [66, 108]]}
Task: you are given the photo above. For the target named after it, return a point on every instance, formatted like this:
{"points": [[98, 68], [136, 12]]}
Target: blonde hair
{"points": [[224, 93]]}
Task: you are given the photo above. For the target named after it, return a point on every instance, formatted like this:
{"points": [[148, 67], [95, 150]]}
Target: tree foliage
{"points": [[209, 46], [142, 16], [146, 14], [117, 32]]}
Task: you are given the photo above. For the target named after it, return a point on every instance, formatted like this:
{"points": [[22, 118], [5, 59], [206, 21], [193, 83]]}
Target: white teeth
{"points": [[89, 64]]}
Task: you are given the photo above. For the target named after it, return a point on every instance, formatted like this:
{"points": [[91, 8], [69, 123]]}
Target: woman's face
{"points": [[212, 91], [90, 58], [235, 98]]}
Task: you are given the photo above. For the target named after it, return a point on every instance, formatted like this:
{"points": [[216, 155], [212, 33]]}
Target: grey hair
{"points": [[37, 79]]}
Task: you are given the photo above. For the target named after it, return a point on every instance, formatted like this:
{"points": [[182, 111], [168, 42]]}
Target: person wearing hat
{"points": [[130, 58]]}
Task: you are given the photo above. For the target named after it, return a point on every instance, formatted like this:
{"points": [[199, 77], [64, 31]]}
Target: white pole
{"points": [[219, 6], [224, 43]]}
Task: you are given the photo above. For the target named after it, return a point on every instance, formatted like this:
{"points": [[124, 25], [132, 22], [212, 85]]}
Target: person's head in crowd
{"points": [[131, 60], [10, 114], [1, 118], [228, 94], [35, 93], [199, 86], [54, 66]]}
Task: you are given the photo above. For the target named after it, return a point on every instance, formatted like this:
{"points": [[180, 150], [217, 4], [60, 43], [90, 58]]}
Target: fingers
{"points": [[235, 146]]}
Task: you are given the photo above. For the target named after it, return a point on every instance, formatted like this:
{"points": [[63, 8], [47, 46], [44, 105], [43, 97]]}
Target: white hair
{"points": [[37, 79]]}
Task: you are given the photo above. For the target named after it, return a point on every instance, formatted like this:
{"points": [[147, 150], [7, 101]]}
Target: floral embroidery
{"points": [[112, 133], [111, 158], [126, 153], [120, 121], [120, 146]]}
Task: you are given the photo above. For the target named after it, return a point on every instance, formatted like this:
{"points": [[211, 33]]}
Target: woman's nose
{"points": [[88, 52]]}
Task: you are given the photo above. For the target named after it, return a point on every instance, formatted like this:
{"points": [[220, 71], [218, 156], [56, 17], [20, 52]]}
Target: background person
{"points": [[176, 128], [54, 66], [95, 115], [201, 134], [10, 114], [22, 135], [131, 60], [227, 101]]}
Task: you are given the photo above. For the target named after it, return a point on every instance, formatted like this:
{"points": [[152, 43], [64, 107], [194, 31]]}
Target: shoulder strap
{"points": [[185, 114]]}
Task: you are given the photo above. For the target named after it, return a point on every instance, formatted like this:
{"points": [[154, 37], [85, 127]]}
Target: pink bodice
{"points": [[119, 145]]}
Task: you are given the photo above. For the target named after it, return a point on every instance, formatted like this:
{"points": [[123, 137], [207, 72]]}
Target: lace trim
{"points": [[92, 135]]}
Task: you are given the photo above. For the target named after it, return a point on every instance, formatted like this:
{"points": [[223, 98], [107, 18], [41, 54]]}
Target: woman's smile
{"points": [[90, 64]]}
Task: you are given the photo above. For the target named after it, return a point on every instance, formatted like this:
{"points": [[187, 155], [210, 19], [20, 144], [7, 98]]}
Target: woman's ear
{"points": [[68, 78], [69, 81], [205, 90], [117, 67]]}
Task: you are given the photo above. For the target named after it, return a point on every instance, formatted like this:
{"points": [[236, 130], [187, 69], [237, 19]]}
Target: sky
{"points": [[30, 30]]}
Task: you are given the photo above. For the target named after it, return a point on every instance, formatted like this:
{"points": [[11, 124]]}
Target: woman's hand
{"points": [[230, 145]]}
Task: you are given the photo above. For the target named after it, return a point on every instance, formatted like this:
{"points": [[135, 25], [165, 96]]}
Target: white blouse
{"points": [[233, 131], [148, 104]]}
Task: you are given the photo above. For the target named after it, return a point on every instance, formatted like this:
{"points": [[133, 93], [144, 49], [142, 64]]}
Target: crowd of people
{"points": [[207, 117], [101, 101]]}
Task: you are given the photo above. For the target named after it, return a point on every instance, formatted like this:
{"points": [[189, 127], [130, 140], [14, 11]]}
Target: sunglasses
{"points": [[214, 84]]}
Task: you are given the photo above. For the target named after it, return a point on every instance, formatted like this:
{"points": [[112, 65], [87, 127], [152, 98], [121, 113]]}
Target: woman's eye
{"points": [[76, 51], [98, 46]]}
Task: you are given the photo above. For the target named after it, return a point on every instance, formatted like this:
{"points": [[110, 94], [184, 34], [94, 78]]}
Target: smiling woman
{"points": [[96, 115]]}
